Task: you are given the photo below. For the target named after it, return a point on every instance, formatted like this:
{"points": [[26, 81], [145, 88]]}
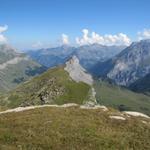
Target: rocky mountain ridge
{"points": [[129, 65], [88, 55]]}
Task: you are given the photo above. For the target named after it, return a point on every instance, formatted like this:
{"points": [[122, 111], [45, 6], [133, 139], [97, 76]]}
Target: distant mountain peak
{"points": [[74, 60], [77, 72], [129, 65]]}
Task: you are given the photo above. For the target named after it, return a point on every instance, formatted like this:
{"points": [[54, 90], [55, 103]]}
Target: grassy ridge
{"points": [[71, 129], [121, 98], [52, 87]]}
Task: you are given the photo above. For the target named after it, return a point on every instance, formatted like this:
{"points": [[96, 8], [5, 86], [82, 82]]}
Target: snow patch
{"points": [[136, 114], [77, 72], [69, 105], [117, 117], [104, 108]]}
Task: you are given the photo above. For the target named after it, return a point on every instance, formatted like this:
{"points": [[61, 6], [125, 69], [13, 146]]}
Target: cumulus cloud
{"points": [[2, 37], [145, 34], [65, 39], [108, 39]]}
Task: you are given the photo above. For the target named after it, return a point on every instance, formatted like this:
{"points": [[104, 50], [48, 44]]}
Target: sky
{"points": [[27, 24]]}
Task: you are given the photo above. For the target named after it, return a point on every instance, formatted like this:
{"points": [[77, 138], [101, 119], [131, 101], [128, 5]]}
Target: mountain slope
{"points": [[55, 86], [75, 128], [128, 66], [142, 85], [121, 98], [51, 57], [15, 68]]}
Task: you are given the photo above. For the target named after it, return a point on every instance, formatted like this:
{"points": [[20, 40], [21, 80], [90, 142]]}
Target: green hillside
{"points": [[52, 87], [72, 129], [15, 74], [121, 98]]}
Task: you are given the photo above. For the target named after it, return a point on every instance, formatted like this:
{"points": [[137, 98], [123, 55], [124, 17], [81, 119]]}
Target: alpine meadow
{"points": [[74, 75]]}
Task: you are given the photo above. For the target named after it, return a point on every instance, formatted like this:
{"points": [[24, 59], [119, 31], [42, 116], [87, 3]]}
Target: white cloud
{"points": [[65, 39], [108, 39], [37, 45], [3, 28], [145, 34], [2, 37]]}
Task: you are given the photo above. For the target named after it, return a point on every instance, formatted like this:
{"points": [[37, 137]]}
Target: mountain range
{"points": [[123, 65], [70, 83], [88, 55], [66, 107], [128, 66]]}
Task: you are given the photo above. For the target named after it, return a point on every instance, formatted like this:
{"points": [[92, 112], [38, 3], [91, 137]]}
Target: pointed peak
{"points": [[77, 72], [74, 60]]}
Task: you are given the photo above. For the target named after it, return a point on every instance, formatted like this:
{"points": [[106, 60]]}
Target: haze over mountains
{"points": [[88, 55]]}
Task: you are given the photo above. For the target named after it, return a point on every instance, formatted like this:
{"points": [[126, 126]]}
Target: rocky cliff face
{"points": [[77, 72], [130, 65]]}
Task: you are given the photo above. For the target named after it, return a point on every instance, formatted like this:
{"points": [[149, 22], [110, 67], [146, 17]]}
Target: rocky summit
{"points": [[77, 72]]}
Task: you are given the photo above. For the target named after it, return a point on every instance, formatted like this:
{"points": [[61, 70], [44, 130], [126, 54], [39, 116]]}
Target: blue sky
{"points": [[44, 21]]}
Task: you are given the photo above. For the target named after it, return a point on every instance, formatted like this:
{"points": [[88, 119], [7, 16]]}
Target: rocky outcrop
{"points": [[77, 72]]}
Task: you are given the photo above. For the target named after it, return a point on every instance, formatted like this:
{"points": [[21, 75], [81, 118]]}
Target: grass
{"points": [[55, 86], [71, 129], [121, 98]]}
